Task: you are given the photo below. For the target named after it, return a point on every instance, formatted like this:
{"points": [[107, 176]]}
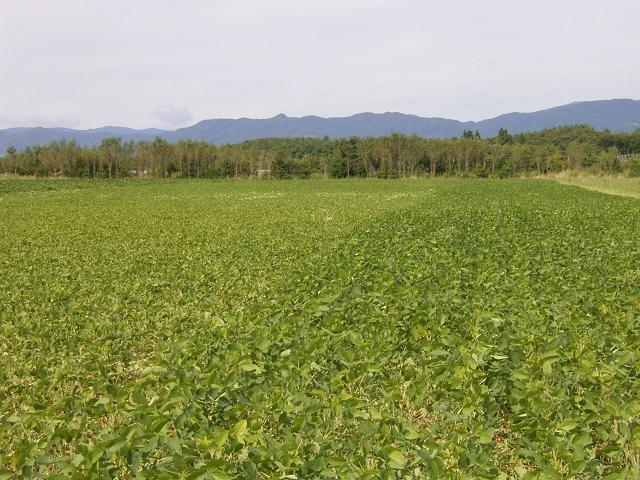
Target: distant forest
{"points": [[576, 147]]}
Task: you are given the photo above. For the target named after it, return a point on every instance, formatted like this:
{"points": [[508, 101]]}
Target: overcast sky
{"points": [[170, 63]]}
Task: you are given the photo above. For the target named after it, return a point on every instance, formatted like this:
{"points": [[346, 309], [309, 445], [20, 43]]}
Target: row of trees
{"points": [[551, 150]]}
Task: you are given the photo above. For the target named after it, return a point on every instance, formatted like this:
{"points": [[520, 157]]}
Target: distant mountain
{"points": [[615, 115], [127, 131]]}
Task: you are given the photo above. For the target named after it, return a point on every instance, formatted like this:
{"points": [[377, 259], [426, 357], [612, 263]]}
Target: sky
{"points": [[171, 63]]}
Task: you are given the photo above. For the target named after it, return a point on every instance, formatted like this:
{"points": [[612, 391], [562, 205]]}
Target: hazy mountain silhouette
{"points": [[620, 115]]}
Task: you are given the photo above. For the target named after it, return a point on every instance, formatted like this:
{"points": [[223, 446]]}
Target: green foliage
{"points": [[318, 329], [284, 168], [337, 167], [632, 167], [469, 134], [503, 136], [576, 147]]}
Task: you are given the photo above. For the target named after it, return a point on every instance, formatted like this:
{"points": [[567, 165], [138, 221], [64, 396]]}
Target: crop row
{"points": [[363, 329]]}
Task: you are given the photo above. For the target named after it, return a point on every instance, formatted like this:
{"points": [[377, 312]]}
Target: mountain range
{"points": [[619, 115]]}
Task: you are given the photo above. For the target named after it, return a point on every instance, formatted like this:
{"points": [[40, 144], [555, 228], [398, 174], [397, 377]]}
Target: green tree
{"points": [[11, 159], [161, 157], [504, 137], [110, 151], [337, 166], [281, 168]]}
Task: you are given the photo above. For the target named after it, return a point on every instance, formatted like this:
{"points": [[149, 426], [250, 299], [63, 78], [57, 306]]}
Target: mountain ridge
{"points": [[618, 115]]}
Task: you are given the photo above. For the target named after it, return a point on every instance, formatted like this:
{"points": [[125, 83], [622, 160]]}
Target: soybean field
{"points": [[355, 329]]}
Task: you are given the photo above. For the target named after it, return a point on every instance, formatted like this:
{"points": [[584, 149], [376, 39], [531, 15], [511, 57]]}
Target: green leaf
{"points": [[240, 431], [397, 460]]}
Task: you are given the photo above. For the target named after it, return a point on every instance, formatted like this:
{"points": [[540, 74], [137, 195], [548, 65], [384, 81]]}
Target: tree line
{"points": [[578, 147]]}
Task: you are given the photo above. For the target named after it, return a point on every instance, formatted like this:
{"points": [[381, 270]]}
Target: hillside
{"points": [[616, 115]]}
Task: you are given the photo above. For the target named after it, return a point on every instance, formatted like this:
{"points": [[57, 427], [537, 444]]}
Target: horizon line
{"points": [[284, 115]]}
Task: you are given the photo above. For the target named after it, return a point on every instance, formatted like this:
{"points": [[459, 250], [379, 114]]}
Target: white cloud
{"points": [[173, 116]]}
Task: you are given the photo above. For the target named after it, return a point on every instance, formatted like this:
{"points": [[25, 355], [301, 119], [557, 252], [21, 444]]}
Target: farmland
{"points": [[318, 329]]}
